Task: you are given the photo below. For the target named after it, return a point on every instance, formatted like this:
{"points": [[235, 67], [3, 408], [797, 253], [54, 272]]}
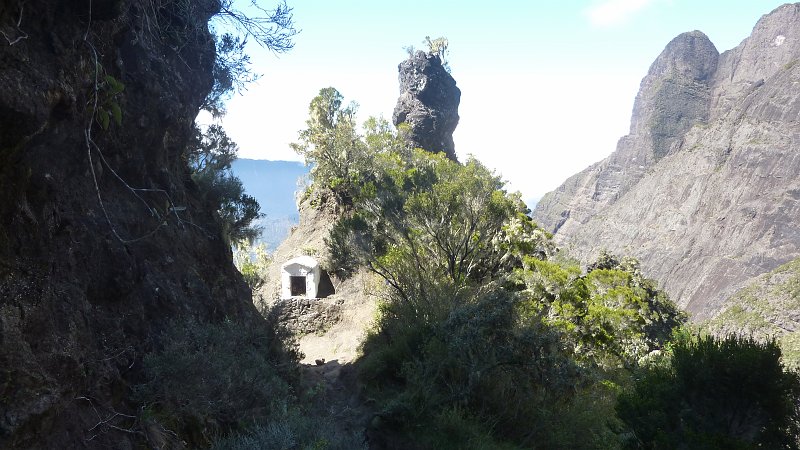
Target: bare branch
{"points": [[273, 31]]}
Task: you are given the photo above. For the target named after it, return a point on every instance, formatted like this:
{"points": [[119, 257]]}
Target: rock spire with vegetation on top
{"points": [[428, 103]]}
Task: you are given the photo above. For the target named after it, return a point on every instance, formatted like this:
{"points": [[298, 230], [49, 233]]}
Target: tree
{"points": [[210, 160], [332, 146], [231, 73], [211, 154], [714, 393], [427, 222], [271, 29], [610, 315]]}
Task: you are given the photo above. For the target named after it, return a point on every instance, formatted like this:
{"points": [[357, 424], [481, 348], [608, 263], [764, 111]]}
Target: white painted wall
{"points": [[302, 266]]}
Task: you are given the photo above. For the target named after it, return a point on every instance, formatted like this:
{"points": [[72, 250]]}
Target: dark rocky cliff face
{"points": [[78, 306], [428, 103], [704, 188]]}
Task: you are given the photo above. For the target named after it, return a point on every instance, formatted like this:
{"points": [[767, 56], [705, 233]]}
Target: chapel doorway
{"points": [[298, 285]]}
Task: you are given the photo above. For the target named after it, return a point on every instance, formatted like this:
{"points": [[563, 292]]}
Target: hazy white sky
{"points": [[547, 86]]}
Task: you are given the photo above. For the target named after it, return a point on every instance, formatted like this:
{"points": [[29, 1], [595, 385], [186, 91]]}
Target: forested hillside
{"points": [[488, 337]]}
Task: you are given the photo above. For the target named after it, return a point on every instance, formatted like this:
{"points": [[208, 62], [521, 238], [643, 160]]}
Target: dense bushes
{"points": [[489, 339], [294, 431], [610, 316], [211, 378], [482, 342], [483, 377], [234, 386], [714, 393]]}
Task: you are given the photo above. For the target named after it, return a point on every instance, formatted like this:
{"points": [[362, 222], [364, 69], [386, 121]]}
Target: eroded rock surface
{"points": [[704, 189], [78, 306], [428, 103]]}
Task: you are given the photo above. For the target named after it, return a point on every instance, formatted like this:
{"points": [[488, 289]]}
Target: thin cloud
{"points": [[614, 12]]}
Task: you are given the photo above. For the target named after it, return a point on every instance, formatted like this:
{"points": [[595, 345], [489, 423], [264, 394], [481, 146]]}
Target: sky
{"points": [[547, 86]]}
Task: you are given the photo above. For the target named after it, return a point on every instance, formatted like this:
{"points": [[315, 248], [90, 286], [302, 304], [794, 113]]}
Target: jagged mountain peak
{"points": [[690, 55], [704, 189]]}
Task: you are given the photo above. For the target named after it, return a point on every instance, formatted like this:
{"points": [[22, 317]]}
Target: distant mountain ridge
{"points": [[704, 189], [273, 184]]}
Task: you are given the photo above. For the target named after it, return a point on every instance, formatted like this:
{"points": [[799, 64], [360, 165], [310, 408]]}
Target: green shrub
{"points": [[713, 393], [293, 432], [481, 377], [210, 378], [612, 316]]}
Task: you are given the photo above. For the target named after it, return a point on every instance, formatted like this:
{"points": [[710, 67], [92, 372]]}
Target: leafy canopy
{"points": [[611, 315], [332, 146], [427, 222]]}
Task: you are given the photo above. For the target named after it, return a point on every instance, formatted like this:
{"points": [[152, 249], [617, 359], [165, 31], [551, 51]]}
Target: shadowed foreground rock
{"points": [[428, 103], [78, 306]]}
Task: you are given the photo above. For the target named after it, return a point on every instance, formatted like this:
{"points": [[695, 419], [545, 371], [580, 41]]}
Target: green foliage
{"points": [[107, 101], [713, 393], [612, 315], [210, 160], [331, 145], [483, 376], [271, 29], [231, 73], [343, 161], [438, 47], [427, 221], [211, 378], [295, 431], [253, 262], [462, 343], [105, 97]]}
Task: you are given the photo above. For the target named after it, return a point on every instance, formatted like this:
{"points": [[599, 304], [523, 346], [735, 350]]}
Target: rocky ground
{"points": [[337, 400], [329, 333]]}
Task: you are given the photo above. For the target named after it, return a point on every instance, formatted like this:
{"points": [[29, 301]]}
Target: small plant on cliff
{"points": [[253, 262], [108, 107], [438, 47]]}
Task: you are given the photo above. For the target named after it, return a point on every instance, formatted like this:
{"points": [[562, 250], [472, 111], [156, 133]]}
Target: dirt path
{"points": [[328, 372], [336, 400]]}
